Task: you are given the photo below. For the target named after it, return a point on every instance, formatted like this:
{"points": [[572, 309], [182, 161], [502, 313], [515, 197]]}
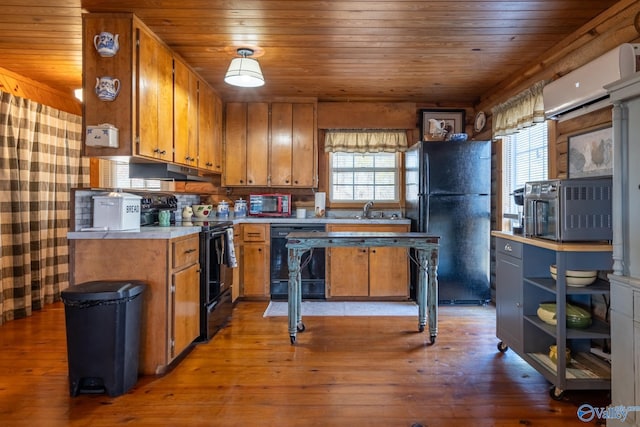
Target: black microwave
{"points": [[566, 210]]}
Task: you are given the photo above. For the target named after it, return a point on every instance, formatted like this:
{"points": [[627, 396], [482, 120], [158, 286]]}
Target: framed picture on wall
{"points": [[436, 124], [590, 153]]}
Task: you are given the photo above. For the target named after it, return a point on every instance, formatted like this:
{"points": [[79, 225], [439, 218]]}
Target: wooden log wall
{"points": [[566, 129], [30, 89]]}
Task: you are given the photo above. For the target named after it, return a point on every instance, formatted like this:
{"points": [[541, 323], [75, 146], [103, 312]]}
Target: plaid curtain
{"points": [[40, 162]]}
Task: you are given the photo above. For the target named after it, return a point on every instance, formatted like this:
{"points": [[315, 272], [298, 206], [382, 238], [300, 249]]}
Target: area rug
{"points": [[346, 308]]}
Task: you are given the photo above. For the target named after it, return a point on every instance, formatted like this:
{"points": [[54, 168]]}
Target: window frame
{"points": [[346, 203], [506, 203]]}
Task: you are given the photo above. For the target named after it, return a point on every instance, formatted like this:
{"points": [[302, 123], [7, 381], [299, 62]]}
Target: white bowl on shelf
{"points": [[576, 277]]}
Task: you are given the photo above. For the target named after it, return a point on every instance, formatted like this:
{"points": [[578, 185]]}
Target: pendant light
{"points": [[244, 71]]}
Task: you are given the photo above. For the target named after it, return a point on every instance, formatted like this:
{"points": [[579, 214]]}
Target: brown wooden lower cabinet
{"points": [[368, 272], [255, 253], [170, 268]]}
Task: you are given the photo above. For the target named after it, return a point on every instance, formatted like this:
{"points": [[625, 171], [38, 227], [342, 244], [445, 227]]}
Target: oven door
{"points": [[542, 220]]}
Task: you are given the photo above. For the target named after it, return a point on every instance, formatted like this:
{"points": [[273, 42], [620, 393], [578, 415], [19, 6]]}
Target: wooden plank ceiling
{"points": [[434, 51]]}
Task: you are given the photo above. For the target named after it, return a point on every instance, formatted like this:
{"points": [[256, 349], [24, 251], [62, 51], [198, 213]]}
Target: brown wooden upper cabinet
{"points": [[163, 110], [271, 145], [185, 114], [209, 130]]}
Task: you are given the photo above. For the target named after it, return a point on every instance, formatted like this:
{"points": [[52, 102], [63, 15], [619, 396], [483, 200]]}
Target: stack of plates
{"points": [[576, 277]]}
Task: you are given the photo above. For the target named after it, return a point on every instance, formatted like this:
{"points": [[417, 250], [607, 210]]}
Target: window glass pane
{"points": [[364, 176], [525, 158]]}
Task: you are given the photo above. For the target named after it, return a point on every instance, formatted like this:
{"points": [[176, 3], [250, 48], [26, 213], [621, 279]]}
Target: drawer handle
{"points": [[190, 251], [507, 247]]}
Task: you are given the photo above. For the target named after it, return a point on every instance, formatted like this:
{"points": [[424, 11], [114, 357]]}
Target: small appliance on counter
{"points": [[273, 204], [569, 210], [116, 211], [518, 198]]}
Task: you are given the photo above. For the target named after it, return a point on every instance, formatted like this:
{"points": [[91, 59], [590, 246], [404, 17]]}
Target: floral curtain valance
{"points": [[521, 111], [365, 141]]}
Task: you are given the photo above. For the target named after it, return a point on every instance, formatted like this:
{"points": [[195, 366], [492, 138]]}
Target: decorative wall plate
{"points": [[480, 121]]}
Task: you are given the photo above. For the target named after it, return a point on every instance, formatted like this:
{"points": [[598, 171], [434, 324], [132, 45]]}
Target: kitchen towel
{"points": [[346, 308], [231, 260]]}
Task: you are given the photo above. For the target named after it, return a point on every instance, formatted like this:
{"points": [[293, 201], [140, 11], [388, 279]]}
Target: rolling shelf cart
{"points": [[523, 281]]}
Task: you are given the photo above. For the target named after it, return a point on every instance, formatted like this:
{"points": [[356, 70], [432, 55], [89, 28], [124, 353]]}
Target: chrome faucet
{"points": [[365, 209]]}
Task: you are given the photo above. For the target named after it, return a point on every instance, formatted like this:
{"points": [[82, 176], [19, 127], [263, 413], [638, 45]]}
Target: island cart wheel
{"points": [[293, 339], [433, 339], [502, 347], [556, 393], [301, 327], [421, 328]]}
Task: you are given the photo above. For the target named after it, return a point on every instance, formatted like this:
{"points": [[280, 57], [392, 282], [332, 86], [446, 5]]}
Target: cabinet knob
{"points": [[507, 247], [209, 164], [518, 304], [163, 152]]}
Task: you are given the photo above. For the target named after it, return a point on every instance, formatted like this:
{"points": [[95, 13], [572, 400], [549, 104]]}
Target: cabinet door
{"points": [[388, 272], [154, 98], [348, 272], [281, 144], [185, 308], [509, 326], [388, 267], [348, 267], [185, 125], [217, 134], [257, 143], [209, 135], [235, 144], [255, 270], [305, 166]]}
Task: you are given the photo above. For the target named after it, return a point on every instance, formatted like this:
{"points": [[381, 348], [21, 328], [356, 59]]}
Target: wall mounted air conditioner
{"points": [[582, 91]]}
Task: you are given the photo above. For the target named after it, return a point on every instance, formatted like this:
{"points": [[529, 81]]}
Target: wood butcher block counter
{"points": [[166, 259], [555, 246]]}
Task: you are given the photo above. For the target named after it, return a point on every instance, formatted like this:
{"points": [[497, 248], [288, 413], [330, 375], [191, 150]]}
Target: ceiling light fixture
{"points": [[244, 72]]}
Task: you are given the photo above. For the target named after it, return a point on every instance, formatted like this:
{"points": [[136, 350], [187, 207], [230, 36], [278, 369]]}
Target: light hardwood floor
{"points": [[344, 371]]}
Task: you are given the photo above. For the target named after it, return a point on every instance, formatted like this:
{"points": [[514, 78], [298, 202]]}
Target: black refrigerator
{"points": [[448, 187]]}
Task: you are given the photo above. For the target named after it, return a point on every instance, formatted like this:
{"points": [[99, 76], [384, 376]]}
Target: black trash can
{"points": [[103, 335]]}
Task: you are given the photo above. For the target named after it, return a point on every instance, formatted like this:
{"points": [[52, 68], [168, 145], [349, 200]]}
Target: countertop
{"points": [[154, 232], [555, 246]]}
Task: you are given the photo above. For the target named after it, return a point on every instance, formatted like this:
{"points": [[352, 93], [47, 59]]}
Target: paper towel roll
{"points": [[320, 204]]}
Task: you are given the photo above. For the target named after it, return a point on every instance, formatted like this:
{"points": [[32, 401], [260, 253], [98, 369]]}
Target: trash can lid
{"points": [[103, 290]]}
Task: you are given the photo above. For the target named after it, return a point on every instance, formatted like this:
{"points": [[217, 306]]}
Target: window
{"points": [[358, 177], [115, 174], [525, 158]]}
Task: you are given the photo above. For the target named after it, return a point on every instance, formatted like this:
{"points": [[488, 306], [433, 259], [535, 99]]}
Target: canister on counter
{"points": [[240, 207], [223, 208], [164, 217]]}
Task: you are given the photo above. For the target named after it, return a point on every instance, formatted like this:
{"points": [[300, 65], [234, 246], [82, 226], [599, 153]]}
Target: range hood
{"points": [[164, 171]]}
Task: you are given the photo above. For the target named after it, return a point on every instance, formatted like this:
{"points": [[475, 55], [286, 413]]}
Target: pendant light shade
{"points": [[244, 72]]}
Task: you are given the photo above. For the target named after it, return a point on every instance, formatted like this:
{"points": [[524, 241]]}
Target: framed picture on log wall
{"points": [[590, 153], [436, 124]]}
